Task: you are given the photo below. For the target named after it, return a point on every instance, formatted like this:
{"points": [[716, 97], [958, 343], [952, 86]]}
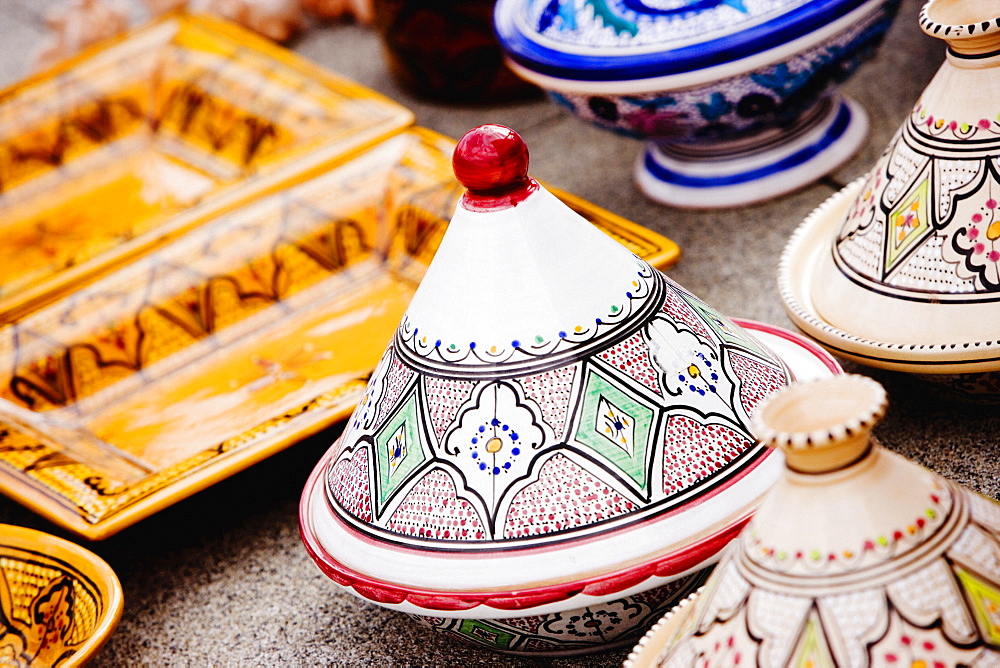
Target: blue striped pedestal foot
{"points": [[758, 168]]}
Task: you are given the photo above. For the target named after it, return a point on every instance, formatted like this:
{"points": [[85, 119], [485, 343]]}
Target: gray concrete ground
{"points": [[222, 579]]}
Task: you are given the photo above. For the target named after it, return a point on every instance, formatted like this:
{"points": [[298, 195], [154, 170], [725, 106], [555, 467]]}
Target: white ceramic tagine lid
{"points": [[856, 557], [902, 269], [553, 416], [611, 42]]}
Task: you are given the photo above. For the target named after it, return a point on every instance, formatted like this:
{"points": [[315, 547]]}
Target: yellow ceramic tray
{"points": [[254, 329], [130, 143], [59, 603]]}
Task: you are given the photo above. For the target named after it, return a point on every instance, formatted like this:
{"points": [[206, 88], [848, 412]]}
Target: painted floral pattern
{"points": [[937, 607], [926, 222], [738, 106], [516, 452], [593, 628]]}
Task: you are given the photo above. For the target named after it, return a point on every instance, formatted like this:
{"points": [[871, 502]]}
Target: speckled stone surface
{"points": [[222, 578]]}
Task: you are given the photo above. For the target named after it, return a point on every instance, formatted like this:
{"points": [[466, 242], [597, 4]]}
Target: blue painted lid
{"points": [[616, 40]]}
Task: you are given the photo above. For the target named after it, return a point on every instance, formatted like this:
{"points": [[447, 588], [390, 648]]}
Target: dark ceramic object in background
{"points": [[446, 50]]}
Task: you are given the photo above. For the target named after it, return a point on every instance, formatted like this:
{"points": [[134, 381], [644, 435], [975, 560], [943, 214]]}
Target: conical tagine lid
{"points": [[913, 272], [551, 411], [856, 557]]}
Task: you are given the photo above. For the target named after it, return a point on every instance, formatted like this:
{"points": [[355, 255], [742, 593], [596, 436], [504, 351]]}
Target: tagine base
{"points": [[968, 370], [718, 179]]}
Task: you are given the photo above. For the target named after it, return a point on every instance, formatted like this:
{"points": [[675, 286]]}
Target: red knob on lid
{"points": [[491, 161]]}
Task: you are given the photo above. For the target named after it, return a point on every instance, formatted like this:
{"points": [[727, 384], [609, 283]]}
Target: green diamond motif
{"points": [[399, 450], [811, 650], [907, 224], [485, 634], [616, 425], [985, 600], [724, 327]]}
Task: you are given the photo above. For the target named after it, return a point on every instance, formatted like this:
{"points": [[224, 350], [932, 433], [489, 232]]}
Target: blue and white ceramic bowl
{"points": [[736, 97]]}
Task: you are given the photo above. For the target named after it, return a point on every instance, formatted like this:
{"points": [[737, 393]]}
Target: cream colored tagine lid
{"points": [[856, 557], [902, 268], [552, 417]]}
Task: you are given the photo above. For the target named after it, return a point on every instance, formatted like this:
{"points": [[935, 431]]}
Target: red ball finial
{"points": [[491, 161], [491, 158]]}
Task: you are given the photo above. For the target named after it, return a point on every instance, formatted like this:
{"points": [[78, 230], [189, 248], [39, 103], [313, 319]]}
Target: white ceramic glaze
{"points": [[545, 431], [881, 563], [902, 269]]}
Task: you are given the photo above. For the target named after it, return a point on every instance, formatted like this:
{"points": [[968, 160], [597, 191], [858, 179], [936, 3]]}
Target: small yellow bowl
{"points": [[59, 603]]}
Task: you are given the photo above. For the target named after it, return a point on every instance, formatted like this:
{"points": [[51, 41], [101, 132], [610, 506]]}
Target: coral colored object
{"points": [[556, 430], [78, 24], [857, 557], [901, 269], [275, 19]]}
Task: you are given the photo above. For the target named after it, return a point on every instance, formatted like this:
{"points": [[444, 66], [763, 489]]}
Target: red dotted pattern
{"points": [[445, 397], [657, 595], [564, 497], [395, 380], [429, 621], [348, 480], [432, 509], [692, 451], [529, 624], [681, 311], [757, 380], [631, 356], [552, 391]]}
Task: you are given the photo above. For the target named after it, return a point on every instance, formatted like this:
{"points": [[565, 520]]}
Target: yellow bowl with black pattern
{"points": [[59, 603]]}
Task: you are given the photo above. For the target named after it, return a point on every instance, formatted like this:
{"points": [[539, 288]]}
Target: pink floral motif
{"points": [[937, 126], [661, 124], [979, 241]]}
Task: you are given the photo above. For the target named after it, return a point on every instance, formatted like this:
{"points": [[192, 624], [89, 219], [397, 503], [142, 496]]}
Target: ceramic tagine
{"points": [[856, 557], [555, 445], [901, 270], [736, 97]]}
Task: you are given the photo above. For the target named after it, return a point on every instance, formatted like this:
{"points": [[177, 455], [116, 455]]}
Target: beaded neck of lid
{"points": [[880, 562], [546, 389], [609, 40], [920, 245]]}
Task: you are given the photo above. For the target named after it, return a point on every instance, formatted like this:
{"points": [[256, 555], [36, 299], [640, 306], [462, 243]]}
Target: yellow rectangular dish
{"points": [[254, 329], [132, 142]]}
